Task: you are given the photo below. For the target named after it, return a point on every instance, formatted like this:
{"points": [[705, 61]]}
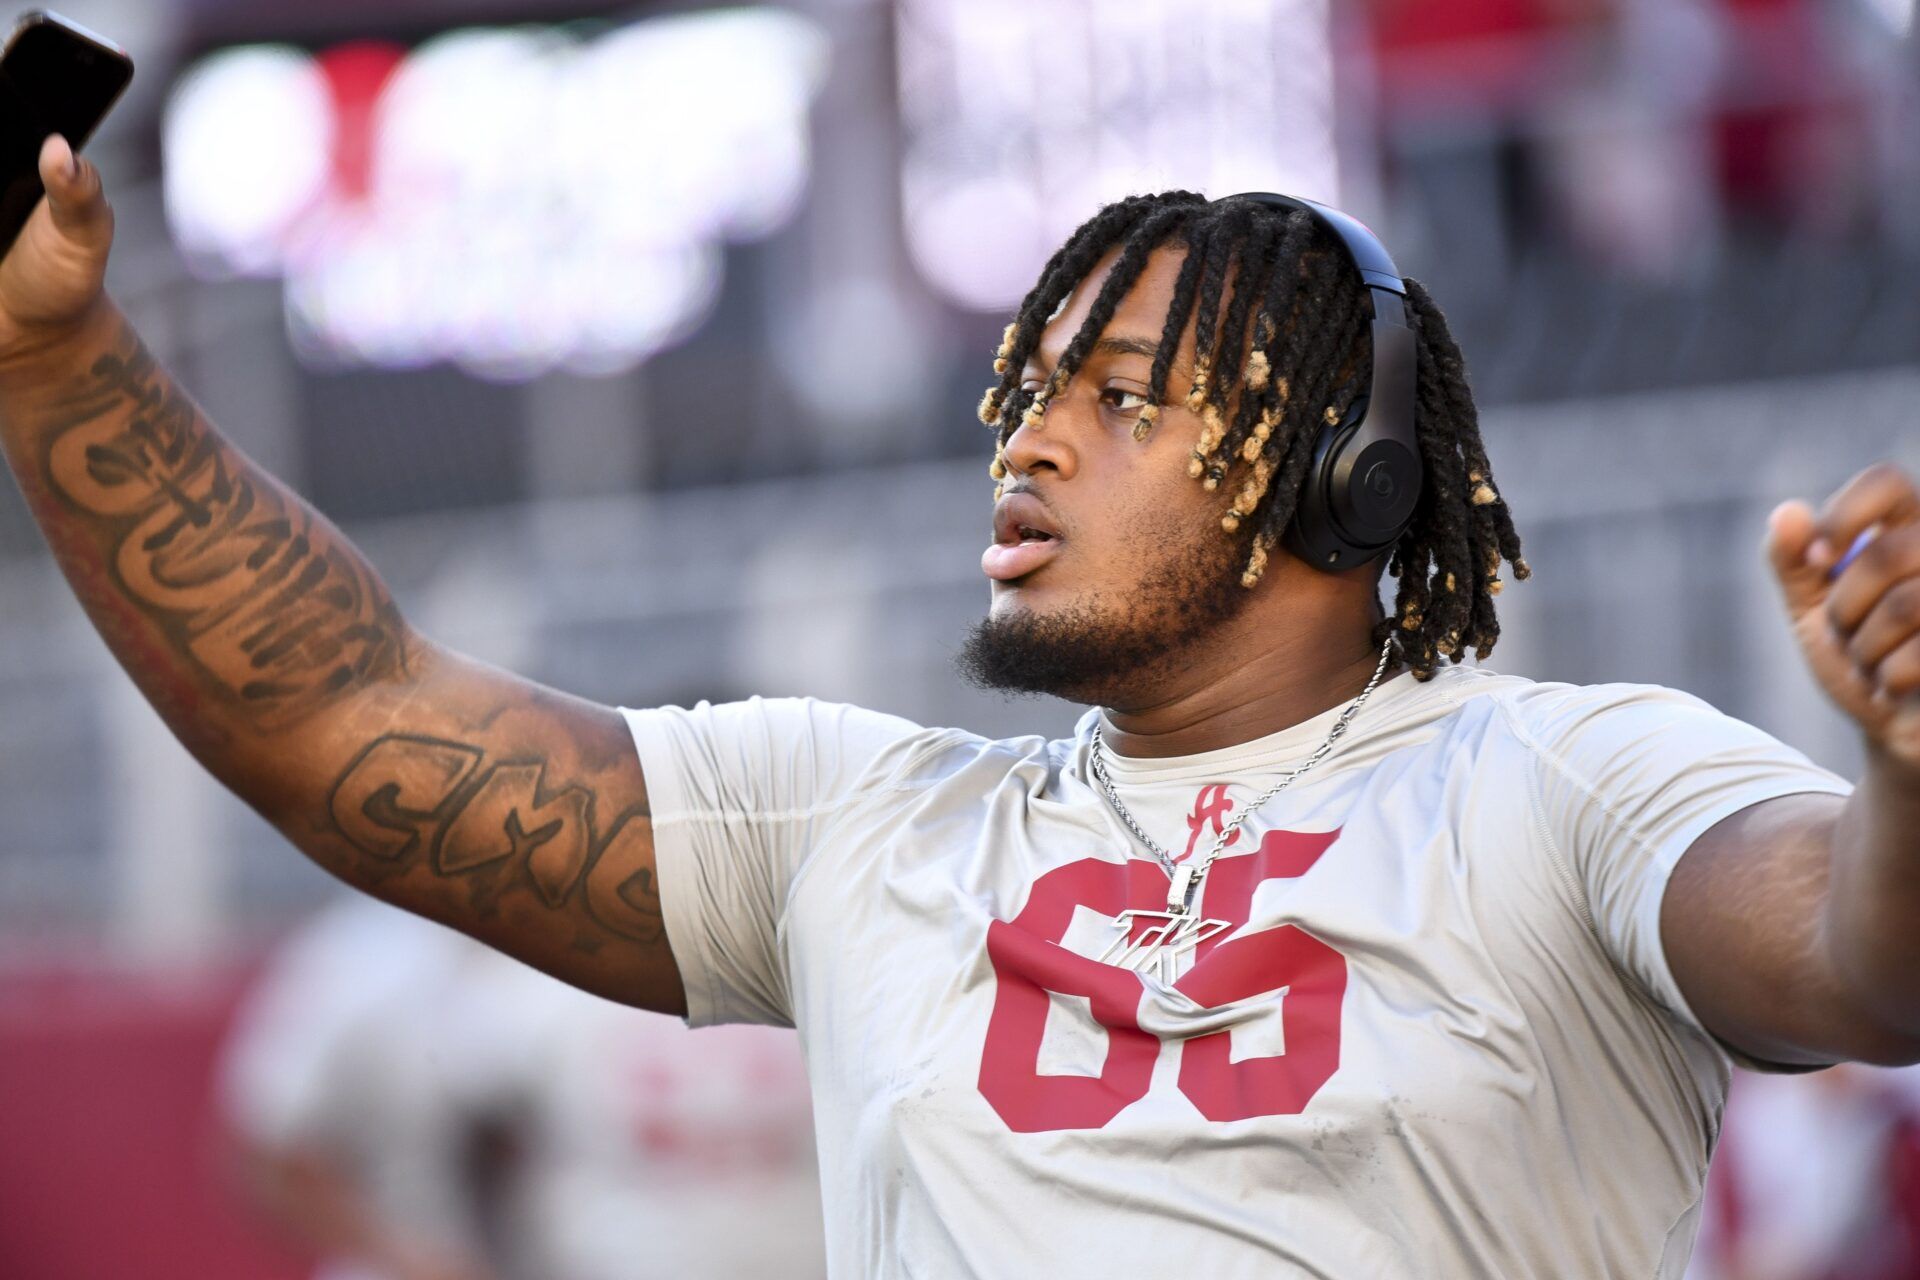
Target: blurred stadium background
{"points": [[639, 345]]}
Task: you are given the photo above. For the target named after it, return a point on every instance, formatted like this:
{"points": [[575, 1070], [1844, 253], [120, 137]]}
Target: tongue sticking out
{"points": [[1007, 560]]}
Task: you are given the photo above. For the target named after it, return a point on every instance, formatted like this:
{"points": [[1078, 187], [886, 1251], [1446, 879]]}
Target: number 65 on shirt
{"points": [[1028, 962]]}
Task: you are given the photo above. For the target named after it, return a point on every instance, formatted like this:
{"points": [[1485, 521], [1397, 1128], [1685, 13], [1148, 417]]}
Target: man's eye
{"points": [[1124, 400]]}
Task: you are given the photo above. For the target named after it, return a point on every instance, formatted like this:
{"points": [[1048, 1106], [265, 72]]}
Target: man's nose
{"points": [[1049, 445]]}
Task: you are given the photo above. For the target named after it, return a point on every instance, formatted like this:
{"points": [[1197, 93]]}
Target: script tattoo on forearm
{"points": [[496, 824], [262, 597]]}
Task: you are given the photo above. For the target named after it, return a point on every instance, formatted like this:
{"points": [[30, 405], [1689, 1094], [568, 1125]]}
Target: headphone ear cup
{"points": [[1358, 497]]}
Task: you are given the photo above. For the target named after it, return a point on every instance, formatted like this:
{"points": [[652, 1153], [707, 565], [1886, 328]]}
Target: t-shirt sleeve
{"points": [[1628, 777], [742, 795]]}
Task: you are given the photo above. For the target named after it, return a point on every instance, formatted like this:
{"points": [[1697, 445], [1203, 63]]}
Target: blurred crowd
{"points": [[410, 1105], [1817, 1178]]}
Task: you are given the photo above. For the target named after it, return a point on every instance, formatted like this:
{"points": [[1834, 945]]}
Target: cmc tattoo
{"points": [[405, 795], [262, 595]]}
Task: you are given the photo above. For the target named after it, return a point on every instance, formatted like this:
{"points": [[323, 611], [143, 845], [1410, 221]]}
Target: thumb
{"points": [[74, 197], [1799, 565]]}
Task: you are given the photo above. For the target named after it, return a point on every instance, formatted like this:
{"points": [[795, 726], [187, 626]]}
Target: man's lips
{"points": [[1024, 537], [1005, 563]]}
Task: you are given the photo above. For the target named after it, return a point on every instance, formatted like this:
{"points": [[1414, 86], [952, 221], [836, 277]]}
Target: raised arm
{"points": [[1793, 926], [504, 809]]}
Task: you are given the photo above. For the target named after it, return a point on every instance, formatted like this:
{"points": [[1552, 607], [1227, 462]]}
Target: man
{"points": [[639, 1150], [417, 1107], [1457, 999], [345, 1133]]}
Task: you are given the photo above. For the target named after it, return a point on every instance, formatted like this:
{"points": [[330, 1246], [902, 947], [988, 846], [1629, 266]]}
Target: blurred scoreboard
{"points": [[1022, 117], [512, 199]]}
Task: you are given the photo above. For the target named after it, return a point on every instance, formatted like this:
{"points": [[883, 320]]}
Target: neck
{"points": [[1240, 699]]}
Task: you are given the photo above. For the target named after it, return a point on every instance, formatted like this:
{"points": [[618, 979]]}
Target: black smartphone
{"points": [[55, 77]]}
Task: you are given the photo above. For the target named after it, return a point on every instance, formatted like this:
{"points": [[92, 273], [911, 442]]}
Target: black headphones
{"points": [[1365, 476]]}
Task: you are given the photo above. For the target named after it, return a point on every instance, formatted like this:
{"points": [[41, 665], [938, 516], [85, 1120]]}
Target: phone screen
{"points": [[52, 80]]}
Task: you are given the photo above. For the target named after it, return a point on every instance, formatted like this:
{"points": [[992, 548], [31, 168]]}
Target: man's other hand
{"points": [[1850, 577]]}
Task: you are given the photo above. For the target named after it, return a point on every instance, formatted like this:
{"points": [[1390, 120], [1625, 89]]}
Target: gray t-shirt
{"points": [[1435, 1035]]}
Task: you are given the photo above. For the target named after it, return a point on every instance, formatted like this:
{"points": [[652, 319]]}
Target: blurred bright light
{"points": [[1024, 116], [1897, 14], [247, 135], [511, 199]]}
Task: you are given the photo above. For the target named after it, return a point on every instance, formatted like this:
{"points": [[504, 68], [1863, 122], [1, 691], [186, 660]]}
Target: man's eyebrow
{"points": [[1125, 346], [1118, 344]]}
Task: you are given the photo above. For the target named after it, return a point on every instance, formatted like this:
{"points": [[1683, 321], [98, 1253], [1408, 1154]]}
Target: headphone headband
{"points": [[1364, 249], [1365, 478]]}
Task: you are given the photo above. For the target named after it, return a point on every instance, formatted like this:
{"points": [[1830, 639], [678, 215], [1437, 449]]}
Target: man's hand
{"points": [[1790, 924], [50, 280], [1860, 627]]}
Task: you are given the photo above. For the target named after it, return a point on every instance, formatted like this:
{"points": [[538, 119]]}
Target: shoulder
{"points": [[863, 750], [775, 716], [1643, 762], [1464, 684], [962, 758], [1549, 717], [1615, 742]]}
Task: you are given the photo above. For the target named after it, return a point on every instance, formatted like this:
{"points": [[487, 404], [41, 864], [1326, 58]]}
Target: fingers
{"points": [[1889, 561], [1852, 570], [1883, 494], [74, 194], [1899, 673], [1873, 599], [1791, 530], [1890, 620]]}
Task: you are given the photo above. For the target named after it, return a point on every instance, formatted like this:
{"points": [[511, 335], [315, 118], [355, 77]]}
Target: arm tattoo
{"points": [[263, 598], [496, 824]]}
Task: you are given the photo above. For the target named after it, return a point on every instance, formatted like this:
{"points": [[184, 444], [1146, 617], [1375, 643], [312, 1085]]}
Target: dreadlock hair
{"points": [[1281, 355]]}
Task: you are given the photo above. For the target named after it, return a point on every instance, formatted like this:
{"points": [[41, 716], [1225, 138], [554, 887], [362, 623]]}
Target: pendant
{"points": [[1161, 944], [1178, 932]]}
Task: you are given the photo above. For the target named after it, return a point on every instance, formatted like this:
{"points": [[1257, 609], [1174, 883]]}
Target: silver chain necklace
{"points": [[1179, 931]]}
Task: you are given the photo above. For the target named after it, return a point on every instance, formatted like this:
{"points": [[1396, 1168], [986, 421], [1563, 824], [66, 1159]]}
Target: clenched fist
{"points": [[1858, 618], [50, 280]]}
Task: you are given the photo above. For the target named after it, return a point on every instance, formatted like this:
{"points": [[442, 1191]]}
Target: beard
{"points": [[1105, 650]]}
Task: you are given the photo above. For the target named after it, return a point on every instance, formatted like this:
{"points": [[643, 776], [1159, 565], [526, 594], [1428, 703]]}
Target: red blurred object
{"points": [[355, 73], [1793, 121], [1480, 51], [1407, 24], [1903, 1176], [110, 1156]]}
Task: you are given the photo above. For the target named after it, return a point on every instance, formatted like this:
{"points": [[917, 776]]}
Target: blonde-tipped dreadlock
{"points": [[1213, 429], [1276, 356], [990, 407], [1249, 497], [1197, 392], [1149, 414], [1258, 371], [1257, 560]]}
